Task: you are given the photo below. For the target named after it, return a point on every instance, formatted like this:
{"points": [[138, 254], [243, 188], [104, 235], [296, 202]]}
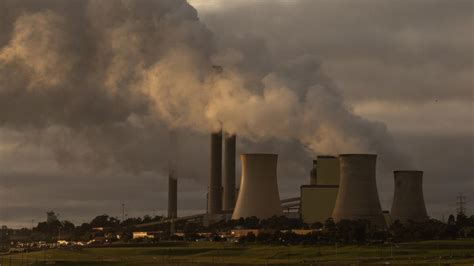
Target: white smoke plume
{"points": [[111, 78]]}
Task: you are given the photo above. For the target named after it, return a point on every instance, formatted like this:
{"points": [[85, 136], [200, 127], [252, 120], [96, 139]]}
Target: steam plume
{"points": [[115, 76]]}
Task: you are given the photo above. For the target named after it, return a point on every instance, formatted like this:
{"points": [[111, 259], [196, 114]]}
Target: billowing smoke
{"points": [[103, 82]]}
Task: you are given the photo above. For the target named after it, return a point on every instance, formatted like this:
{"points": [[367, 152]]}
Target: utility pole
{"points": [[123, 212], [461, 204]]}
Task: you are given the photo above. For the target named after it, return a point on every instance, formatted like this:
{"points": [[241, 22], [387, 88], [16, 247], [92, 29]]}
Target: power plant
{"points": [[258, 194], [340, 187], [408, 201], [358, 197]]}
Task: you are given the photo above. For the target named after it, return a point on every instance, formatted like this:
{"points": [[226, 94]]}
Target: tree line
{"points": [[272, 230]]}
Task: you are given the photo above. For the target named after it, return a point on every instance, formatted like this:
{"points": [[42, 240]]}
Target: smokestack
{"points": [[215, 180], [258, 195], [229, 171], [408, 201], [358, 197], [173, 177], [313, 175], [172, 196]]}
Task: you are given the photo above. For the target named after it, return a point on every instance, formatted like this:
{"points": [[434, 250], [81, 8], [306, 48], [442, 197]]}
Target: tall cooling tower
{"points": [[215, 178], [358, 197], [172, 196], [408, 202], [258, 195], [229, 172]]}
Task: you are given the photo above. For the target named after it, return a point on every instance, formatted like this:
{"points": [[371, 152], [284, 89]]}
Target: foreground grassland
{"points": [[460, 252]]}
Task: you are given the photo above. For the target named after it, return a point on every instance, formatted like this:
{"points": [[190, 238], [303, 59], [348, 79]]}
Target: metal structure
{"points": [[461, 210], [215, 178], [229, 172], [258, 195], [357, 197], [408, 202]]}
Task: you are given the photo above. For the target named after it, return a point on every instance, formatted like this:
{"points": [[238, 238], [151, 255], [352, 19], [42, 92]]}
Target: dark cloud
{"points": [[373, 49]]}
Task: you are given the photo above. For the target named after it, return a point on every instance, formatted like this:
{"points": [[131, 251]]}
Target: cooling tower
{"points": [[408, 202], [357, 197], [215, 178], [258, 195], [172, 196], [229, 172]]}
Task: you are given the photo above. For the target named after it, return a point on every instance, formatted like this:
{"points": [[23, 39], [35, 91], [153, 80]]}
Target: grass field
{"points": [[460, 252]]}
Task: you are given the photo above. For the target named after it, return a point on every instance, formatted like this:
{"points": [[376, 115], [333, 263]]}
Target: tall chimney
{"points": [[229, 171], [258, 195], [357, 198], [215, 179], [313, 175], [172, 196], [173, 177], [408, 202]]}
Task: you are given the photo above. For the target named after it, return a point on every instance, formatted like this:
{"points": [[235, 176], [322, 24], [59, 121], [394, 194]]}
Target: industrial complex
{"points": [[340, 187]]}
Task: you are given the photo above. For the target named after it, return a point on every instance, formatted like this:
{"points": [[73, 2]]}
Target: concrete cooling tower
{"points": [[258, 195], [358, 197], [408, 202]]}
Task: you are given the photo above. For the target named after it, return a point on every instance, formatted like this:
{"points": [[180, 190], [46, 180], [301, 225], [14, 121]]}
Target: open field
{"points": [[459, 252]]}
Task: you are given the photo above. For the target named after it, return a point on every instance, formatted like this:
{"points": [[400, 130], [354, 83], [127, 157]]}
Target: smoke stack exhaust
{"points": [[358, 197], [258, 195], [215, 178], [408, 201], [229, 171]]}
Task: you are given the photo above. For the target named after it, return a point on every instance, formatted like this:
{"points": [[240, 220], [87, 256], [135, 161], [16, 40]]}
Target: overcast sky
{"points": [[406, 64]]}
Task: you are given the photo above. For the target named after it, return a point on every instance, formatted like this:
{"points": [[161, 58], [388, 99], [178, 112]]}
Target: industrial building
{"points": [[318, 198], [342, 187], [408, 201], [258, 194], [317, 202], [358, 198]]}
